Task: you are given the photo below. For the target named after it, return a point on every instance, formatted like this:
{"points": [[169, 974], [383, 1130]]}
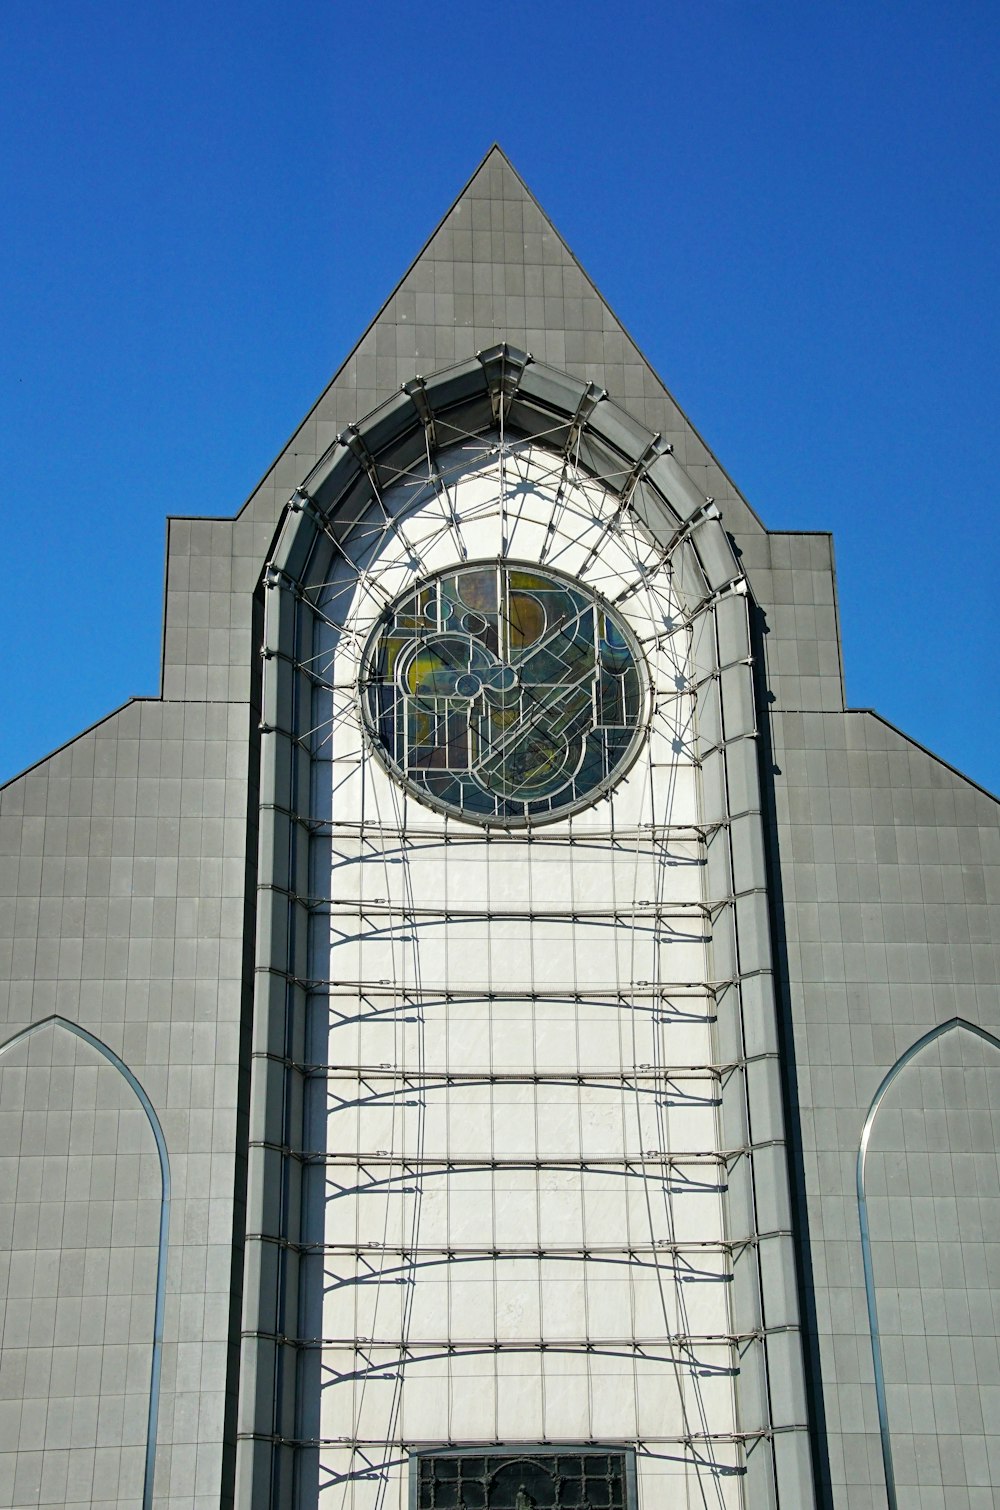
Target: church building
{"points": [[497, 1032]]}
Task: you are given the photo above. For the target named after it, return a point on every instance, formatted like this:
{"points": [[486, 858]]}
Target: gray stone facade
{"points": [[129, 882]]}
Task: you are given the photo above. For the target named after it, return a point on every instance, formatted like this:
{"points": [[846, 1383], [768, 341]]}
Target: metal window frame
{"points": [[521, 1449]]}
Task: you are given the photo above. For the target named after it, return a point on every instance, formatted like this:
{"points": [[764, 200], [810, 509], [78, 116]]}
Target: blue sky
{"points": [[792, 208]]}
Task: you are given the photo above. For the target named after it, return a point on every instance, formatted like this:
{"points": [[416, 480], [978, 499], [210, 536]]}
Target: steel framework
{"points": [[387, 938]]}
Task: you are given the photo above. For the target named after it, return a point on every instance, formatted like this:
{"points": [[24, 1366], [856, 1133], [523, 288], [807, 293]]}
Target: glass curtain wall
{"points": [[517, 1215]]}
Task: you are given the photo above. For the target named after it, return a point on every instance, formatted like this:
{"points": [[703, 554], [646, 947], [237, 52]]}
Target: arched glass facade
{"points": [[523, 1207]]}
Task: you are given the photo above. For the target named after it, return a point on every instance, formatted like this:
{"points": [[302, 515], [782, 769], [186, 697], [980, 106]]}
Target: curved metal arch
{"points": [[506, 390], [55, 1021], [885, 1086]]}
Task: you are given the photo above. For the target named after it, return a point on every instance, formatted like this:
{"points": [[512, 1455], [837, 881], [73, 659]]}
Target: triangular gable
{"points": [[495, 270]]}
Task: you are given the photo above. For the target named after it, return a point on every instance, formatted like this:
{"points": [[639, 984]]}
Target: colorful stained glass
{"points": [[503, 693]]}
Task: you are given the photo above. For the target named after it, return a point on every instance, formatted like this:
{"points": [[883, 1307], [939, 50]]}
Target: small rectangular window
{"points": [[527, 1478]]}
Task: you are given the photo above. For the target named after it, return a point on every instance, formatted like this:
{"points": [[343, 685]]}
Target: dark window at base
{"points": [[527, 1479]]}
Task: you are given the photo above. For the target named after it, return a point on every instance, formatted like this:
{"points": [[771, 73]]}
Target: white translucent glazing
{"points": [[523, 1205]]}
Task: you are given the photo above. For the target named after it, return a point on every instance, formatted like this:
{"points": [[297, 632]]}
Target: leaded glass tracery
{"points": [[527, 1480], [503, 692]]}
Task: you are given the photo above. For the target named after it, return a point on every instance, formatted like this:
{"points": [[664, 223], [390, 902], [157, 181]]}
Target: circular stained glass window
{"points": [[503, 692]]}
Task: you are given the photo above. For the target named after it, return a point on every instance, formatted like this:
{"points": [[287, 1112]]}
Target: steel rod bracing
{"points": [[383, 834]]}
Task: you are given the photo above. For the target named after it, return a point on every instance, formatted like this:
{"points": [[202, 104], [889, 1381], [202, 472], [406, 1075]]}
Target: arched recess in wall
{"points": [[84, 1207], [337, 519], [929, 1207]]}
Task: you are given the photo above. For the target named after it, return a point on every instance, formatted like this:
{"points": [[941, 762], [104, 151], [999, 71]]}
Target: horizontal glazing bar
{"points": [[658, 1074], [723, 1247], [561, 1250], [383, 1158], [452, 1345], [525, 1077], [639, 990], [411, 1444], [381, 907], [449, 832]]}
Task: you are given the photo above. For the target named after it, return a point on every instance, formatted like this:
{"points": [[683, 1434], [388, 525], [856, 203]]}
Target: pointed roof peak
{"points": [[496, 269], [497, 154], [492, 151], [496, 174]]}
